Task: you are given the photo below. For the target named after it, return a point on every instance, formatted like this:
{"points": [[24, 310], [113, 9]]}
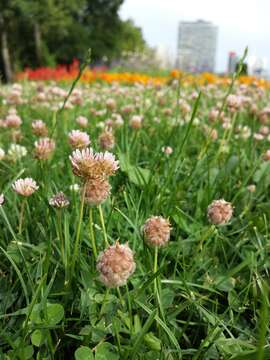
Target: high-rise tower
{"points": [[196, 49]]}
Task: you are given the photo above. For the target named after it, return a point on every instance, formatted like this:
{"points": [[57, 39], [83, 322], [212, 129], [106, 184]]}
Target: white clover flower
{"points": [[74, 187], [25, 187], [16, 152], [2, 154], [2, 199], [78, 139]]}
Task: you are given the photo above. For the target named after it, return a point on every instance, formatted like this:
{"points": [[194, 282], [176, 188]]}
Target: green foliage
{"points": [[130, 37], [47, 32], [84, 353]]}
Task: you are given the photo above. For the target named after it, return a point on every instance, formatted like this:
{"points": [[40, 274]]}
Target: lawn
{"points": [[134, 221]]}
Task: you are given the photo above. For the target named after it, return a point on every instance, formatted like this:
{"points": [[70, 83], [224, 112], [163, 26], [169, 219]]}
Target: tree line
{"points": [[37, 33]]}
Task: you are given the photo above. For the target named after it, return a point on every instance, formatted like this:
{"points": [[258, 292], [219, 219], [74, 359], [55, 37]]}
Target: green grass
{"points": [[206, 297]]}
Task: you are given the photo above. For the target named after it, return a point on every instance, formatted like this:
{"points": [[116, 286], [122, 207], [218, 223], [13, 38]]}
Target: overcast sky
{"points": [[240, 22]]}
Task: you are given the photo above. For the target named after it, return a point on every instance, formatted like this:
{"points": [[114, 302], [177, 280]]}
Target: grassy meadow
{"points": [[203, 294]]}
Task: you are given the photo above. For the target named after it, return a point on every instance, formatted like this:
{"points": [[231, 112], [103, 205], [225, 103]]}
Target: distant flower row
{"points": [[69, 73]]}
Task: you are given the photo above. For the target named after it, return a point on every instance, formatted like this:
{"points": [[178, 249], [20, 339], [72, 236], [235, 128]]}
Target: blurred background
{"points": [[135, 35]]}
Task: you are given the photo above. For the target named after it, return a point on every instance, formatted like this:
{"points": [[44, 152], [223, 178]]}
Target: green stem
{"points": [[92, 235], [120, 297], [209, 233], [103, 226], [226, 137], [104, 302], [118, 342], [155, 270], [130, 311], [78, 233], [21, 216], [156, 289], [60, 235], [81, 70]]}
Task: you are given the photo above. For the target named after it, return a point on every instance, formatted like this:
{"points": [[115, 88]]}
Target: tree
{"points": [[96, 25], [46, 17], [130, 37], [45, 32], [103, 24], [8, 12]]}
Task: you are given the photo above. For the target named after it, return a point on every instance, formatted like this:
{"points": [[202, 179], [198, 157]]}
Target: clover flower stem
{"points": [[227, 136], [155, 270], [133, 139], [21, 216], [116, 331], [60, 235], [130, 311], [209, 233], [78, 233], [234, 120], [103, 226], [42, 171], [92, 235], [157, 289], [126, 143], [104, 302], [120, 296]]}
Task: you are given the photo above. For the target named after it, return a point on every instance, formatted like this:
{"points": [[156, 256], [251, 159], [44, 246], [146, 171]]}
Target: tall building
{"points": [[232, 62], [196, 49]]}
